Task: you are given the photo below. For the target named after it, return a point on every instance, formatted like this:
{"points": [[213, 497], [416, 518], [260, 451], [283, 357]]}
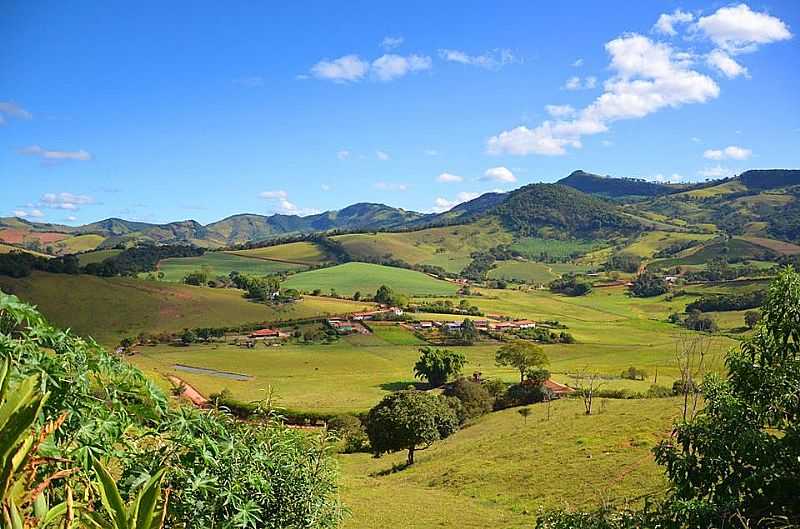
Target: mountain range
{"points": [[580, 205]]}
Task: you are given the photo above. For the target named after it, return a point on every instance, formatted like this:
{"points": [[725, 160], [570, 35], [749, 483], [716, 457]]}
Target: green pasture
{"points": [[222, 264]]}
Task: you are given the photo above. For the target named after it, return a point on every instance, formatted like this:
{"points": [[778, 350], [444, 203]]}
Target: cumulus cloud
{"points": [[279, 201], [491, 60], [390, 43], [667, 21], [345, 69], [578, 63], [390, 66], [739, 29], [28, 213], [725, 64], [449, 178], [390, 186], [499, 174], [55, 156], [560, 111], [9, 109], [382, 155], [717, 171], [576, 83], [442, 204], [325, 187], [343, 154], [64, 200], [731, 152]]}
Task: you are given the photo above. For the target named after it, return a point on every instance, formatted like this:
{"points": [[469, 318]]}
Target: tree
{"points": [[188, 336], [525, 412], [468, 331], [437, 366], [522, 356], [751, 318], [741, 455], [648, 284], [587, 384], [475, 398], [624, 261], [409, 420], [698, 321]]}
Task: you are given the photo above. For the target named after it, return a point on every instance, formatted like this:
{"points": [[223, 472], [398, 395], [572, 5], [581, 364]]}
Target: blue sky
{"points": [[166, 111]]}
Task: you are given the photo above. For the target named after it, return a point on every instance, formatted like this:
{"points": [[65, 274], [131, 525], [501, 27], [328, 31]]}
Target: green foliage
{"points": [[570, 285], [437, 366], [475, 398], [726, 302], [522, 356], [751, 318], [351, 431], [698, 321], [648, 284], [409, 420], [741, 455], [387, 296], [625, 262], [633, 373]]}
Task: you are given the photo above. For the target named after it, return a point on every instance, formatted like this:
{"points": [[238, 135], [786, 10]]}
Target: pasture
{"points": [[110, 309], [501, 470], [650, 242], [350, 278], [222, 264], [534, 247], [97, 256], [304, 253], [533, 272]]}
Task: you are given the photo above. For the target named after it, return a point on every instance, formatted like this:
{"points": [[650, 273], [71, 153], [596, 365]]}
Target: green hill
{"points": [[617, 187]]}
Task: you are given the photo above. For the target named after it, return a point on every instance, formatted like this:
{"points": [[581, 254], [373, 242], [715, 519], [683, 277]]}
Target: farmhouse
{"points": [[264, 334], [368, 315], [557, 389]]}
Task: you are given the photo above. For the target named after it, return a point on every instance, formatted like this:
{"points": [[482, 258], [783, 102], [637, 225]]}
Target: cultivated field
{"points": [[222, 264], [306, 253], [350, 278], [97, 256], [533, 272]]}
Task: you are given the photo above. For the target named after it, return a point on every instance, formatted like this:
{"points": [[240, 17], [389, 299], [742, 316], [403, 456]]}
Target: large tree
{"points": [[409, 420], [437, 366], [522, 356]]}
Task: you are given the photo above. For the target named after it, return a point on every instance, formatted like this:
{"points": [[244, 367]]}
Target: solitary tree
{"points": [[522, 356], [751, 318], [409, 420], [437, 366], [525, 412], [468, 331]]}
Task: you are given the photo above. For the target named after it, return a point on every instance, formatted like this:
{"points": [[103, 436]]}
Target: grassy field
{"points": [[7, 248], [533, 247], [112, 308], [648, 243], [79, 243], [533, 272], [500, 471], [97, 256], [367, 278], [294, 252], [222, 264]]}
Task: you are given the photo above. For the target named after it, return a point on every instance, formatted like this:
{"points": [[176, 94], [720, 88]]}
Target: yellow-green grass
{"points": [[650, 242], [8, 248], [222, 264], [533, 247], [394, 334], [97, 256], [533, 272], [294, 252], [110, 309], [349, 278], [501, 470], [77, 244], [727, 188]]}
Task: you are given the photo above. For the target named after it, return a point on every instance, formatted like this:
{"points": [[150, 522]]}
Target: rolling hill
{"points": [[617, 187]]}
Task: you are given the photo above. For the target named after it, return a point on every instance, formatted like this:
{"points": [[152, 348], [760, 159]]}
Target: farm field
{"points": [[125, 307], [306, 253], [97, 256], [222, 264], [648, 243], [533, 272], [7, 248], [79, 243], [501, 470], [349, 278], [534, 247]]}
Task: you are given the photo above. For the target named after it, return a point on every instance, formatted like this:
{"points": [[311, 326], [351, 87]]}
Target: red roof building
{"points": [[265, 333]]}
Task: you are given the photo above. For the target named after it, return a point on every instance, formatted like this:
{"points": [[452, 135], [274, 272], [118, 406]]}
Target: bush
{"points": [[350, 430], [648, 284], [633, 373], [520, 395], [570, 286], [475, 398], [697, 321]]}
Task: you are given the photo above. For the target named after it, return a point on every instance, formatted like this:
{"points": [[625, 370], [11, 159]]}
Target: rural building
{"points": [[368, 315], [557, 389], [525, 324], [264, 334]]}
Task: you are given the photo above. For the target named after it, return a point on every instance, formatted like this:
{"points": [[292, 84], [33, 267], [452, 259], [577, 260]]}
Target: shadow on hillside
{"points": [[400, 386], [391, 470]]}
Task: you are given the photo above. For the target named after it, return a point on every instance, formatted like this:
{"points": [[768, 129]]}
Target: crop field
{"points": [[533, 272], [124, 307], [533, 247], [501, 470], [782, 247], [97, 256], [222, 264], [349, 278], [17, 236], [306, 253], [648, 243], [7, 248], [734, 248], [79, 243]]}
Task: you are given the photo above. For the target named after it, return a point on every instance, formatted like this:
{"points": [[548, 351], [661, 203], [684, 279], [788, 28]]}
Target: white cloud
{"points": [[578, 63], [381, 155], [666, 22], [560, 111], [491, 60], [731, 152], [68, 201], [738, 29], [390, 186], [343, 154], [607, 143], [390, 43], [442, 204], [500, 174], [695, 139], [391, 66], [279, 200], [717, 171], [723, 62], [576, 83], [325, 187], [71, 218], [344, 69], [449, 178], [56, 156], [12, 110], [270, 195], [431, 152], [663, 179], [30, 213], [648, 77]]}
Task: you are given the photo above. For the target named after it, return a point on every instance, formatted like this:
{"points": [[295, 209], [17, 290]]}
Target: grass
{"points": [[533, 272], [648, 243], [110, 309], [306, 253], [533, 247], [735, 248], [222, 264], [367, 278], [79, 243], [394, 334], [8, 248], [501, 470], [97, 256], [781, 247]]}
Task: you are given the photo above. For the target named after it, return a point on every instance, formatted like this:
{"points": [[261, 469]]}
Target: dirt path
{"points": [[189, 392]]}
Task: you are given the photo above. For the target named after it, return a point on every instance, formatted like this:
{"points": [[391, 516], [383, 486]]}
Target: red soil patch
{"points": [[17, 236]]}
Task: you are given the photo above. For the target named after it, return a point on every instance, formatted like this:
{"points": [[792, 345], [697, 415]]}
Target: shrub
{"points": [[350, 430], [648, 284], [437, 366], [475, 398]]}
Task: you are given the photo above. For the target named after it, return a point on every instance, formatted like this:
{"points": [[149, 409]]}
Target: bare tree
{"points": [[692, 355], [587, 383]]}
